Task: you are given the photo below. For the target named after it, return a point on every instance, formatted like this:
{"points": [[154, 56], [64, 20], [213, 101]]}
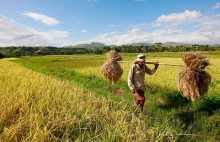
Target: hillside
{"points": [[139, 44], [165, 44], [91, 45], [169, 44]]}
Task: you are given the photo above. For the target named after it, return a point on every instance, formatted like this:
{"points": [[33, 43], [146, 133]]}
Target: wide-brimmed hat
{"points": [[140, 58]]}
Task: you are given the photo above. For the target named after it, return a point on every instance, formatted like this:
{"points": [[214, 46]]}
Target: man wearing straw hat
{"points": [[136, 78]]}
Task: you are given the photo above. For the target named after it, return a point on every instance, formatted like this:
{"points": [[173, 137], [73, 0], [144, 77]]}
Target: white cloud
{"points": [[217, 5], [104, 36], [54, 34], [74, 38], [42, 18], [207, 31], [179, 18], [14, 34], [156, 25], [84, 31], [201, 29], [113, 25]]}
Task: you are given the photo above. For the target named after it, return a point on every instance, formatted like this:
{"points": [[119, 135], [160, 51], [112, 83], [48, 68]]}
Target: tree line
{"points": [[13, 51]]}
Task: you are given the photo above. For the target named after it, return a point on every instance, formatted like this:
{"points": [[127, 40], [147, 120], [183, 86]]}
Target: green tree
{"points": [[39, 52], [16, 53], [1, 55]]}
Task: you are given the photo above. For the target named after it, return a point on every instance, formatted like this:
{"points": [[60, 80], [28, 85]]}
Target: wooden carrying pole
{"points": [[166, 64]]}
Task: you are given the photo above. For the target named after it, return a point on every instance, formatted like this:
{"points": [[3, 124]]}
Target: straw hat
{"points": [[140, 57]]}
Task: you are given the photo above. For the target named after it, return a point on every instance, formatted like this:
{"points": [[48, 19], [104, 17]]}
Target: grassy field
{"points": [[170, 117]]}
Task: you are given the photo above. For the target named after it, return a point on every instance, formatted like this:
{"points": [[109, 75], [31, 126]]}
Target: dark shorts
{"points": [[140, 95]]}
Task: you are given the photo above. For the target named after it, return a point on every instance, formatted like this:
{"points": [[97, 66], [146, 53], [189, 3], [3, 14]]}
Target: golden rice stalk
{"points": [[111, 70], [193, 81], [195, 61], [113, 55]]}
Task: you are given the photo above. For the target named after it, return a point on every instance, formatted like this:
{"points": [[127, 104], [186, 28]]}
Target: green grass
{"points": [[63, 71], [165, 106]]}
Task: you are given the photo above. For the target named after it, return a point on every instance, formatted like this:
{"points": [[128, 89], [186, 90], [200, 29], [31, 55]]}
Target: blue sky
{"points": [[112, 22]]}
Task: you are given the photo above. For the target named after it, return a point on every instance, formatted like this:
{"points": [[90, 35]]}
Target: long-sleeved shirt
{"points": [[136, 76]]}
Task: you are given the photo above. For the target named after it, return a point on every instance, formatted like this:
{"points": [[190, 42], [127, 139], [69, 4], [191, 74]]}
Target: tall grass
{"points": [[36, 107]]}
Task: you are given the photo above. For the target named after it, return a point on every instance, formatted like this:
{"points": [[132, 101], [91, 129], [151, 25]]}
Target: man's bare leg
{"points": [[142, 105]]}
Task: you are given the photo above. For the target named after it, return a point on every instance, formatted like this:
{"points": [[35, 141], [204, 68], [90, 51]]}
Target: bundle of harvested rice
{"points": [[111, 70], [193, 81], [113, 55]]}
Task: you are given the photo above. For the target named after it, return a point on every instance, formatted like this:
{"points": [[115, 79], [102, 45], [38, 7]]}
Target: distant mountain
{"points": [[91, 45], [139, 44], [214, 45], [112, 45], [99, 45], [169, 44]]}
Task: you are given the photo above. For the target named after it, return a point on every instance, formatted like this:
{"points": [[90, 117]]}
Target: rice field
{"points": [[65, 98], [36, 107]]}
